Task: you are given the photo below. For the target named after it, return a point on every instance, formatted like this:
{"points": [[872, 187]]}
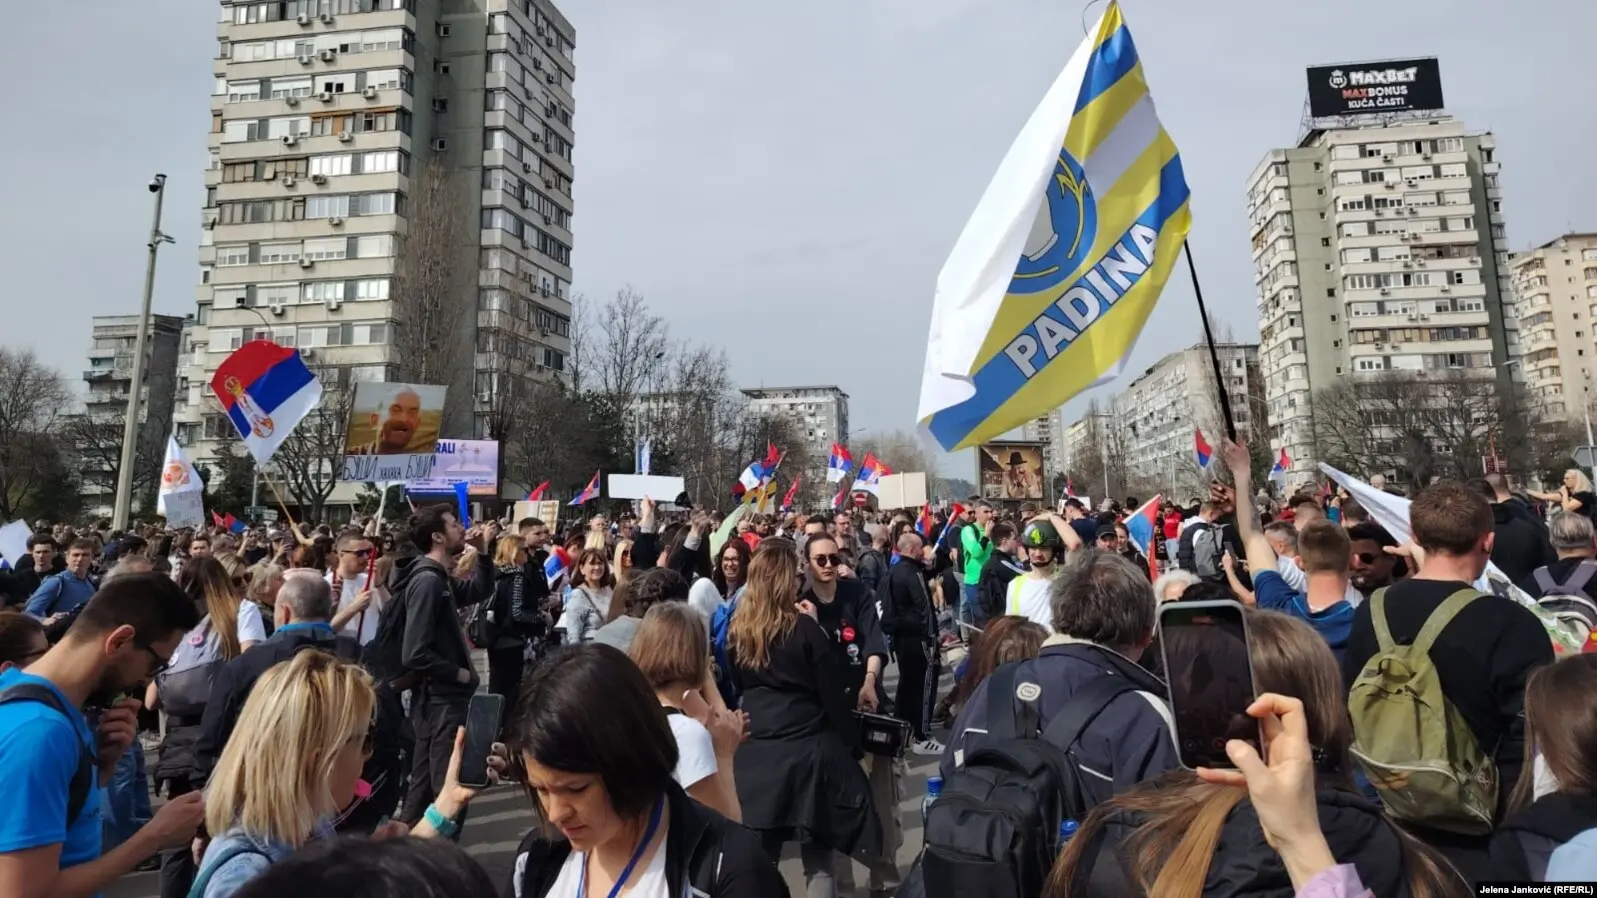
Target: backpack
{"points": [[1418, 752], [1571, 608], [202, 881], [83, 779], [384, 656], [720, 622], [994, 830], [1207, 552]]}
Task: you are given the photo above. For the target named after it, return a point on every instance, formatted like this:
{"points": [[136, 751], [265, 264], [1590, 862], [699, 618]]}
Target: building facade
{"points": [[1078, 437], [1555, 286], [369, 158], [108, 381], [1158, 411], [819, 412], [1049, 430], [1377, 247]]}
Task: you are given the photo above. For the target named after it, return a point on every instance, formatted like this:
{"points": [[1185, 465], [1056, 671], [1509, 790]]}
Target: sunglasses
{"points": [[358, 553], [826, 560], [1366, 558]]}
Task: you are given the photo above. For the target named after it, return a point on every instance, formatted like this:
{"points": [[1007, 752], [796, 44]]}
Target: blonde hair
{"points": [[234, 565], [767, 613], [506, 552], [272, 779], [262, 576], [596, 541], [1582, 482]]}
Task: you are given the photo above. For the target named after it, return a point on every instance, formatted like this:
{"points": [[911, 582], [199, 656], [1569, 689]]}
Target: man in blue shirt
{"points": [[50, 821], [1324, 552], [69, 590]]}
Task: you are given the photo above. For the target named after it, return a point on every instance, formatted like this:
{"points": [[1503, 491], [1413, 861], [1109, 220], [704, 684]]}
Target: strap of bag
{"points": [[203, 880], [1084, 707], [1383, 631], [1545, 581], [82, 781], [1443, 616], [1001, 722], [1584, 572]]}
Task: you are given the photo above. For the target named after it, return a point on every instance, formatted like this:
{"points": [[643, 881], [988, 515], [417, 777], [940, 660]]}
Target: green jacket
{"points": [[974, 549]]}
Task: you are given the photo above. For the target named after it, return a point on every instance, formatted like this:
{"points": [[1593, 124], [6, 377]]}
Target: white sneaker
{"points": [[927, 746]]}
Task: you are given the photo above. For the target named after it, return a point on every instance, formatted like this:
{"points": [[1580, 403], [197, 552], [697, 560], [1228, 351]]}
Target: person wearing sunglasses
{"points": [[357, 602]]}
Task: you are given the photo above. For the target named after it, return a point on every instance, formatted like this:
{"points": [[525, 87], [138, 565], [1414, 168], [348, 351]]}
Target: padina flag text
{"points": [[1202, 452], [1064, 258], [181, 496], [589, 492], [838, 464], [1142, 526], [266, 391]]}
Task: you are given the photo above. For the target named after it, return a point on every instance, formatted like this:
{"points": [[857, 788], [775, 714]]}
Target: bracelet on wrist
{"points": [[436, 819]]}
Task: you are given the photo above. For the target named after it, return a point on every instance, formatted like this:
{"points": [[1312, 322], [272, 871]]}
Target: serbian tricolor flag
{"points": [[537, 492], [1142, 526], [217, 522], [1202, 452], [266, 390], [787, 500], [1279, 469], [871, 471], [837, 500], [956, 513], [557, 565], [924, 522], [591, 491], [838, 464]]}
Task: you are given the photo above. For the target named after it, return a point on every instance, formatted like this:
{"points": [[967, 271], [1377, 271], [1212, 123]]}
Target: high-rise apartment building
{"points": [[1378, 246], [1158, 411], [1079, 437], [109, 380], [1049, 430], [1555, 286], [372, 157], [820, 413]]}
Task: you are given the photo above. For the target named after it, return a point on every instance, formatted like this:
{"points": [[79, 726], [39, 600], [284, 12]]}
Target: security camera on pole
{"points": [[130, 428]]}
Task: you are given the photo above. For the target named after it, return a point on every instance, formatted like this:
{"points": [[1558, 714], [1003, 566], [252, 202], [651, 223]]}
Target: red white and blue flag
{"points": [[925, 522], [871, 471], [1282, 465], [557, 565], [839, 463], [266, 391], [1142, 526], [537, 492], [758, 473], [792, 491], [589, 492], [1202, 452]]}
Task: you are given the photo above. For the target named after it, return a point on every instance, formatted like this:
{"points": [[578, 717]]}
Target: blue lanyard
{"points": [[626, 872], [309, 625]]}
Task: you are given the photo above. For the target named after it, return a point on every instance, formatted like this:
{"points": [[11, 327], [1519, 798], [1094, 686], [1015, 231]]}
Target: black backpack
{"points": [[83, 779], [994, 830], [384, 656]]}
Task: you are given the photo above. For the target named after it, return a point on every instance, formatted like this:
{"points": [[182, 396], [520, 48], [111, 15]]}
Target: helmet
{"points": [[1041, 535]]}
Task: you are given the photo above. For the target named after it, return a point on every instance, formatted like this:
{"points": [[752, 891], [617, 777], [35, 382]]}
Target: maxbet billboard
{"points": [[1366, 88]]}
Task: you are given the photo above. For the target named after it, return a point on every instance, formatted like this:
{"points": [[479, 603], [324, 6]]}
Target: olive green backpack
{"points": [[1418, 752]]}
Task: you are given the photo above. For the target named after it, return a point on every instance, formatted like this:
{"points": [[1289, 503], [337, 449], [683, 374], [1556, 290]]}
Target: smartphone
{"points": [[482, 728], [1207, 661]]}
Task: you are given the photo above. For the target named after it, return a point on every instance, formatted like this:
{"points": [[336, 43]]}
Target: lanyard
{"points": [[315, 626], [626, 872]]}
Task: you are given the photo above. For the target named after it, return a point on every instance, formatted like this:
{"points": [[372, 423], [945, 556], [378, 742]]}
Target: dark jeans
{"points": [[435, 721], [917, 684], [505, 668], [177, 865]]}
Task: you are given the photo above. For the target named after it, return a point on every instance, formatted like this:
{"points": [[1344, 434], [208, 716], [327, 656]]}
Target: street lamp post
{"points": [[130, 429]]}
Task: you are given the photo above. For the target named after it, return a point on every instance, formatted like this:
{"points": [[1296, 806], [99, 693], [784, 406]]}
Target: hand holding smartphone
{"points": [[482, 729], [1207, 658]]}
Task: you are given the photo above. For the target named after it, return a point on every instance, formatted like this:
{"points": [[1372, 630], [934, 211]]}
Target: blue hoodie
{"points": [[1575, 860], [60, 593]]}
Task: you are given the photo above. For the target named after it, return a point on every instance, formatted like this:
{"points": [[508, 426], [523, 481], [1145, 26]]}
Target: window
{"points": [[243, 91], [256, 211], [374, 246], [387, 79], [371, 288], [230, 256], [440, 104], [327, 248], [330, 166], [328, 207], [279, 253], [290, 87], [324, 291], [276, 294], [1449, 144]]}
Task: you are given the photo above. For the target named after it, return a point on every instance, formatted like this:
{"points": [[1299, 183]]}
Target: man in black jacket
{"points": [[910, 619], [992, 590], [435, 653], [1521, 544]]}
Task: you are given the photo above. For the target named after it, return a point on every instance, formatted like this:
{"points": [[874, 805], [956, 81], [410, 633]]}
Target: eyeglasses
{"points": [[826, 560], [358, 553], [159, 665]]}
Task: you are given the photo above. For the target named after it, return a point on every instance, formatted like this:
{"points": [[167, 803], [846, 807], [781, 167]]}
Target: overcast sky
{"points": [[783, 179]]}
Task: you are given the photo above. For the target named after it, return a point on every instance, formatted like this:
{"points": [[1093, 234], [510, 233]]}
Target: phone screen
{"points": [[482, 728], [1205, 646]]}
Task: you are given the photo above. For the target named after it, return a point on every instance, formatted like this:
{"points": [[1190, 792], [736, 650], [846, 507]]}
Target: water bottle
{"points": [[1067, 830], [934, 788]]}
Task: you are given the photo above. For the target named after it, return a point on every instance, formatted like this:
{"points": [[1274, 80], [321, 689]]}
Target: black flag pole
{"points": [[1214, 354]]}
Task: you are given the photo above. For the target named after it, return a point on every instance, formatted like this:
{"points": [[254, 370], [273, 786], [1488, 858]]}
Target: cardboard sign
{"points": [[646, 486], [902, 490]]}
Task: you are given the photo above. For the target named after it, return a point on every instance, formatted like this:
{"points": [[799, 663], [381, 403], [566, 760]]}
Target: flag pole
{"points": [[1208, 337], [281, 504]]}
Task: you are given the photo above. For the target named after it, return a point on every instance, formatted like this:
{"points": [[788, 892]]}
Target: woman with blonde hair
{"points": [[293, 762], [798, 776], [1575, 494], [265, 579], [1178, 836]]}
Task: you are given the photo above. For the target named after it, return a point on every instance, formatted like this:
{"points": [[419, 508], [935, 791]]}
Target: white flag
{"points": [[181, 499]]}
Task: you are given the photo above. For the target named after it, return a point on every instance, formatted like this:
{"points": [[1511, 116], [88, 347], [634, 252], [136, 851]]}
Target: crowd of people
{"points": [[687, 695]]}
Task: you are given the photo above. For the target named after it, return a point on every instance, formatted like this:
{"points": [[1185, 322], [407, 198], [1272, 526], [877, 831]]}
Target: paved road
{"points": [[500, 817]]}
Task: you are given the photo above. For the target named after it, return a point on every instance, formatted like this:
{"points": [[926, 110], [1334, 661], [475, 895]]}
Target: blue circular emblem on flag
{"points": [[1064, 233]]}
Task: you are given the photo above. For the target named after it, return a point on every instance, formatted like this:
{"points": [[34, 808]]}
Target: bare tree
{"points": [[311, 461], [96, 439], [434, 323], [31, 410], [624, 353], [903, 452]]}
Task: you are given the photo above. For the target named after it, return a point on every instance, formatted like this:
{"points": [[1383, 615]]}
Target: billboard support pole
{"points": [[1214, 354]]}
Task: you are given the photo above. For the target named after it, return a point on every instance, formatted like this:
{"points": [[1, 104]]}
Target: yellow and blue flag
{"points": [[1092, 203]]}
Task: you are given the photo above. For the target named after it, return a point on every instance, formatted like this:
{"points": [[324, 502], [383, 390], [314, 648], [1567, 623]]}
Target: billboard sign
{"points": [[1010, 471], [393, 431], [472, 462], [1368, 88]]}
